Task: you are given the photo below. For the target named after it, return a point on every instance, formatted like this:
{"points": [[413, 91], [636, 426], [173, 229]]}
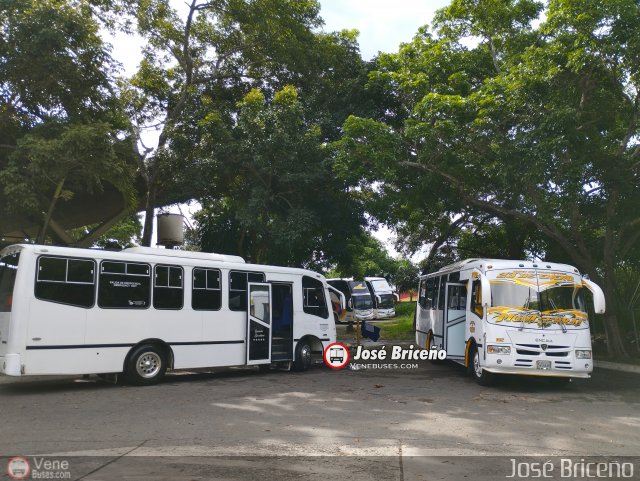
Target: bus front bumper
{"points": [[536, 372], [538, 365], [10, 365]]}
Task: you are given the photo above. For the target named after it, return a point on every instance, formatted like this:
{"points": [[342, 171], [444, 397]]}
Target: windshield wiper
{"points": [[555, 308], [526, 310]]}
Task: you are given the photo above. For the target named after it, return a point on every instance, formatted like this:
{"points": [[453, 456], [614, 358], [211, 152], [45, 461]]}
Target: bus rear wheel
{"points": [[302, 360], [479, 375], [145, 366]]}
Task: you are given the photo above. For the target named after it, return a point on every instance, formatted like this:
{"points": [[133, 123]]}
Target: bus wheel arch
{"points": [[303, 353], [156, 354], [471, 345], [429, 342], [474, 368]]}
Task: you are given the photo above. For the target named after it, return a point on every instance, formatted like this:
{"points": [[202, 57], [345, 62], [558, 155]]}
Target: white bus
{"points": [[358, 297], [142, 311], [510, 317], [384, 305]]}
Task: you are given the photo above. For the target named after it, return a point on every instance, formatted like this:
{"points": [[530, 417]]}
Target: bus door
{"points": [[259, 316], [282, 321], [455, 319]]}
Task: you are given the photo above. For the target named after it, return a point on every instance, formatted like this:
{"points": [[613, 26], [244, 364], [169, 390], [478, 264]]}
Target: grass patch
{"points": [[400, 328]]}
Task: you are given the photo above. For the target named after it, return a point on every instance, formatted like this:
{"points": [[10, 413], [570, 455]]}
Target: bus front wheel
{"points": [[302, 360], [146, 365], [480, 375]]}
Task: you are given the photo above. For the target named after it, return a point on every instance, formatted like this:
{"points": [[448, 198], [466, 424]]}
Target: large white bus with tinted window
{"points": [[509, 317], [142, 311], [384, 302], [358, 298]]}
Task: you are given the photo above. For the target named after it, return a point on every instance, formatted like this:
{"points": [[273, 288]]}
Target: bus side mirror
{"points": [[599, 304], [339, 295], [350, 303], [378, 299]]}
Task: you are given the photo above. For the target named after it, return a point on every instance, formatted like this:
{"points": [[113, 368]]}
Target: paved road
{"points": [[390, 414]]}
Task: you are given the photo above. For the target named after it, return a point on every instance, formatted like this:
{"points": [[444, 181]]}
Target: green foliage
{"points": [[406, 277], [365, 256], [527, 137], [400, 328], [277, 200], [59, 116]]}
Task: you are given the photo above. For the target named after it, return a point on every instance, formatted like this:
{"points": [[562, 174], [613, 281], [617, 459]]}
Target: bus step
{"points": [[282, 365]]}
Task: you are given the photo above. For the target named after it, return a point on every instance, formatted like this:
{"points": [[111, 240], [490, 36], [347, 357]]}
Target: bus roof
{"points": [[156, 256], [485, 265]]}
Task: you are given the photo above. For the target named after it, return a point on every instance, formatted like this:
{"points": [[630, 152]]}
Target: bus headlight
{"points": [[495, 349], [583, 354]]}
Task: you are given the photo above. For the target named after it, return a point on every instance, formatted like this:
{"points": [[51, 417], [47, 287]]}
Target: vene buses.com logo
{"points": [[18, 468], [336, 355]]}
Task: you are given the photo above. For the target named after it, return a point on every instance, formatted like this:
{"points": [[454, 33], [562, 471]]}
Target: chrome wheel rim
{"points": [[305, 354], [148, 365], [476, 364]]}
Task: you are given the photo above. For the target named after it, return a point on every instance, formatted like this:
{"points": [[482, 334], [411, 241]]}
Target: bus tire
{"points": [[479, 375], [146, 365], [302, 359]]}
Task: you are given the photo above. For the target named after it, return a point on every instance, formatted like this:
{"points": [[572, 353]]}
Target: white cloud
{"points": [[383, 24]]}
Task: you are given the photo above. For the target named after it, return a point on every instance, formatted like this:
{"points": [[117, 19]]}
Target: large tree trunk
{"points": [[147, 233], [52, 205], [615, 345]]}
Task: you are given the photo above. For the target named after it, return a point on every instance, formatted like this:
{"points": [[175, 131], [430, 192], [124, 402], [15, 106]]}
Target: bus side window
{"points": [[429, 299], [457, 298], [238, 288], [207, 289], [313, 300], [168, 291], [124, 285], [443, 284], [476, 299], [422, 297], [66, 281]]}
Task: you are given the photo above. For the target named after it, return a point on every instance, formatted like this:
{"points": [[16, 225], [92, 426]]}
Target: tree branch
{"points": [[553, 232]]}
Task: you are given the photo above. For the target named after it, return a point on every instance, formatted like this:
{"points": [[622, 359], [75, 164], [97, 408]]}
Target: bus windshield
{"points": [[553, 299], [362, 302], [380, 285], [539, 298], [386, 301]]}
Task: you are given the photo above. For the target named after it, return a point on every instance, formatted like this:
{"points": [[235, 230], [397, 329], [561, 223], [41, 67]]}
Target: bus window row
{"points": [[128, 285]]}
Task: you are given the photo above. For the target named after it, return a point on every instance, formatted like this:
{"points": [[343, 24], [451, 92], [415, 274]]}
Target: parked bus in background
{"points": [[384, 305], [509, 317], [142, 311], [358, 297]]}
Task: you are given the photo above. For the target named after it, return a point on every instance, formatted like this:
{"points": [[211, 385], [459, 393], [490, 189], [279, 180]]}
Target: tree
{"points": [[277, 200], [60, 121], [212, 57], [530, 127], [406, 278]]}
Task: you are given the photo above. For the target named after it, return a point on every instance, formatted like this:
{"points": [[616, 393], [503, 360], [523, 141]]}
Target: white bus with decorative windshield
{"points": [[509, 317], [142, 311]]}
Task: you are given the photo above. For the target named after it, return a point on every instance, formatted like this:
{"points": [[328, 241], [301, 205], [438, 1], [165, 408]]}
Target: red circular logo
{"points": [[336, 355], [18, 468]]}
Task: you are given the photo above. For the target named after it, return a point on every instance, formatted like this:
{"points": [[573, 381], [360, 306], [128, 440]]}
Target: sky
{"points": [[382, 24]]}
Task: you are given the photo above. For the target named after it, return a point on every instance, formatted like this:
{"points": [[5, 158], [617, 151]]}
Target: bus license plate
{"points": [[543, 364]]}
